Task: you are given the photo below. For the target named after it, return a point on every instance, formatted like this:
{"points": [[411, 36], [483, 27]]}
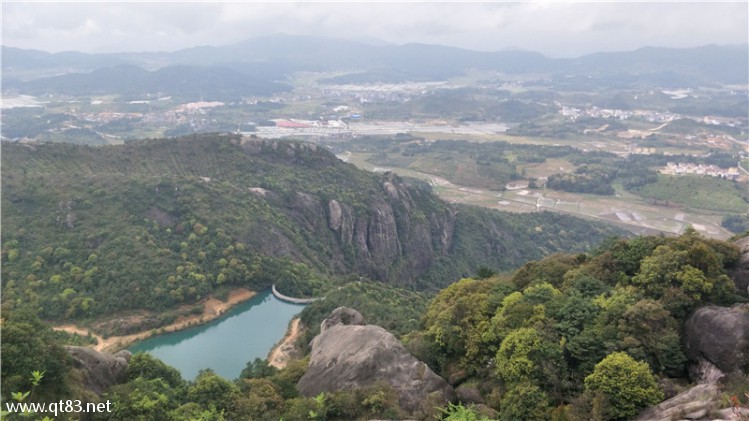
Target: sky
{"points": [[555, 28]]}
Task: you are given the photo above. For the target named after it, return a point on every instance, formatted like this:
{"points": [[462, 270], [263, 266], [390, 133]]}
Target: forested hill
{"points": [[89, 231], [575, 337]]}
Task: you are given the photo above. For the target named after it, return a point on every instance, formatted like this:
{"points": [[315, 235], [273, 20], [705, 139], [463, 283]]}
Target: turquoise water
{"points": [[246, 332]]}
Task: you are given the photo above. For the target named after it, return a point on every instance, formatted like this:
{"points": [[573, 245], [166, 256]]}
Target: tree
{"points": [[263, 398], [142, 400], [525, 402], [658, 271], [450, 321], [736, 223], [575, 312], [484, 272], [648, 332], [587, 348], [258, 369], [209, 389], [193, 411], [528, 355], [701, 257], [628, 255], [628, 385], [28, 345], [146, 366], [550, 269]]}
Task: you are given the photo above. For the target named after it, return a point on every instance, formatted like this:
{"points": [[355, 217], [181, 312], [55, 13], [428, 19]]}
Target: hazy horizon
{"points": [[554, 29]]}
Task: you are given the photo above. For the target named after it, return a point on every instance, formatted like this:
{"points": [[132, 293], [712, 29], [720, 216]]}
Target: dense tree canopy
{"points": [[567, 330], [567, 337]]}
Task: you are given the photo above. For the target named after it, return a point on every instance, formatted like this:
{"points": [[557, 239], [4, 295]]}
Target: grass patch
{"points": [[698, 192]]}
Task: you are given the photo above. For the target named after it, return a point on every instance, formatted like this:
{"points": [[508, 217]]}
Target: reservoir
{"points": [[225, 345]]}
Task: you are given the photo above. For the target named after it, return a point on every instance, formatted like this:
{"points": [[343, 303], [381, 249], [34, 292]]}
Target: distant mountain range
{"points": [[218, 83], [259, 66]]}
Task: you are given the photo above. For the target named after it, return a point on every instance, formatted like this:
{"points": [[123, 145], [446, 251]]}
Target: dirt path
{"points": [[82, 332], [212, 309], [280, 355]]}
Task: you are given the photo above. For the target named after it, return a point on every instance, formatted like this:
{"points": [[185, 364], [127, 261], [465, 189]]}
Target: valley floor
{"points": [[623, 209]]}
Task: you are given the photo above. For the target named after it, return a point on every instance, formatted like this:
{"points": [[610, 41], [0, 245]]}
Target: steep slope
{"points": [[155, 223], [583, 334]]}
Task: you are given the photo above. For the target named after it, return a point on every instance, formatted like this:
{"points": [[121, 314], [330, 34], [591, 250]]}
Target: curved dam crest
{"points": [[225, 345], [292, 299]]}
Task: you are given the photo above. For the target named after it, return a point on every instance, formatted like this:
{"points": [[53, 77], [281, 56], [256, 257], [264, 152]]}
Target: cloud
{"points": [[553, 28]]}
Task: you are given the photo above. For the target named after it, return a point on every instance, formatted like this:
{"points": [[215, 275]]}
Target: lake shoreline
{"points": [[283, 352], [227, 344], [213, 308]]}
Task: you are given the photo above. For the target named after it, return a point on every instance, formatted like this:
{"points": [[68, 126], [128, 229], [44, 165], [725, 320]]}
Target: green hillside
{"points": [[90, 231], [562, 338]]}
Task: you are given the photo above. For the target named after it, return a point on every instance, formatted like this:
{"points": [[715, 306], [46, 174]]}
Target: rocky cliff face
{"points": [[100, 370], [394, 230], [348, 355], [391, 229], [388, 237], [393, 238]]}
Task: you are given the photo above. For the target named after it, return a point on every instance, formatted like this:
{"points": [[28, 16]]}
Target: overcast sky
{"points": [[557, 29]]}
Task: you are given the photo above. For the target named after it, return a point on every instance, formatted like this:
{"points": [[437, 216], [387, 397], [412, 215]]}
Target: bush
{"points": [[628, 385], [525, 402]]}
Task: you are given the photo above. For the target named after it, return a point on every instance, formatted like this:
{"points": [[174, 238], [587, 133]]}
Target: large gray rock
{"points": [[703, 371], [342, 316], [100, 370], [699, 403], [693, 404], [719, 335], [351, 356]]}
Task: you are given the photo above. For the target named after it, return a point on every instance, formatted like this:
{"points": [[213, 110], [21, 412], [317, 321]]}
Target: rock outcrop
{"points": [[342, 316], [100, 370], [349, 356], [693, 404], [719, 335], [397, 233], [699, 403]]}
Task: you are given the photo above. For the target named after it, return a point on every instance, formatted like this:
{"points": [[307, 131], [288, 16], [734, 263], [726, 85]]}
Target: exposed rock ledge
{"points": [[700, 403], [347, 355], [100, 370]]}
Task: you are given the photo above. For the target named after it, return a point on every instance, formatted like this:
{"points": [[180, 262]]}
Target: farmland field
{"points": [[625, 209]]}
